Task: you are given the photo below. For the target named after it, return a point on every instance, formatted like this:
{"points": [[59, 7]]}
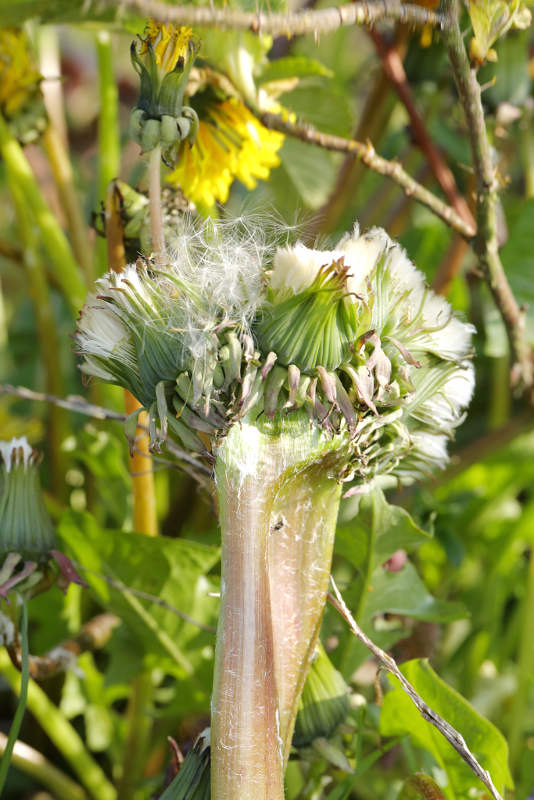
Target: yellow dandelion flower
{"points": [[170, 44], [19, 79], [231, 143]]}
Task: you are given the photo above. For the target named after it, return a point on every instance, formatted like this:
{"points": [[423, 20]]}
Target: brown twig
{"points": [[189, 463], [373, 122], [451, 734], [295, 23], [93, 635], [394, 69], [486, 243], [369, 157], [7, 250]]}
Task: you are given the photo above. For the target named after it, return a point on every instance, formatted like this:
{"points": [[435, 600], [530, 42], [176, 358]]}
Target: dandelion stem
{"points": [[108, 126], [49, 343], [64, 179], [62, 734], [278, 506], [21, 707], [65, 268], [55, 143], [156, 211], [33, 763]]}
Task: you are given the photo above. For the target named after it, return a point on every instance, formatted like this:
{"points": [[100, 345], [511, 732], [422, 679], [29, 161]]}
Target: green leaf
{"points": [[378, 530], [293, 67], [322, 104], [172, 570], [518, 261], [492, 19], [311, 170], [404, 593], [399, 716]]}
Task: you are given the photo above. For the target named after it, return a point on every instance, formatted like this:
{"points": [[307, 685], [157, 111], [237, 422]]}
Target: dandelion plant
{"points": [[299, 374]]}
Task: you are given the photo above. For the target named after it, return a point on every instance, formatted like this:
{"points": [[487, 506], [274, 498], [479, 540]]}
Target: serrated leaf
{"points": [[293, 67], [399, 716], [172, 570]]}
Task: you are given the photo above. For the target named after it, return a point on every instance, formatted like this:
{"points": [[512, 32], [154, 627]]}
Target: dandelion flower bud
{"points": [[21, 101], [25, 526], [163, 59]]}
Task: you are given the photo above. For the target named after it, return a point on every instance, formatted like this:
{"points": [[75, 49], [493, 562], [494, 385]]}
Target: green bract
{"points": [[163, 60], [353, 336], [25, 526]]}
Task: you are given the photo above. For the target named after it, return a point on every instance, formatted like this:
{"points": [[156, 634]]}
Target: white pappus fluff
{"points": [[16, 451]]}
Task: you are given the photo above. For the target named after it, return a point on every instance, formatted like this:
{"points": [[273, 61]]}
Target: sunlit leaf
{"points": [[172, 570], [399, 716]]}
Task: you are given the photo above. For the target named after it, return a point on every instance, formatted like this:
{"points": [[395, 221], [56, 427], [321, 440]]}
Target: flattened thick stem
{"points": [[278, 501]]}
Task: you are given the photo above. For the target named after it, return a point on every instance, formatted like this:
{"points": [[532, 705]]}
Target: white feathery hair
{"points": [[20, 446]]}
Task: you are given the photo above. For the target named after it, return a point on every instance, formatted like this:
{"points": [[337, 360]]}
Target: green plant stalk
{"points": [[109, 147], [64, 180], [526, 667], [61, 733], [154, 195], [33, 763], [64, 266], [57, 428], [278, 504], [21, 707]]}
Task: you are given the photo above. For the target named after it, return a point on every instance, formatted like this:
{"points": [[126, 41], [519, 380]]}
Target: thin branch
{"points": [[190, 464], [7, 250], [394, 69], [152, 598], [451, 734], [486, 242], [71, 403], [369, 157], [296, 23], [93, 635], [32, 762]]}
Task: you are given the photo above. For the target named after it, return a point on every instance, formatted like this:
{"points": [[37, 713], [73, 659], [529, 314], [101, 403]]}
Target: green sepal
{"points": [[148, 89], [171, 93], [130, 428], [324, 702], [150, 135], [317, 326], [193, 780], [25, 525]]}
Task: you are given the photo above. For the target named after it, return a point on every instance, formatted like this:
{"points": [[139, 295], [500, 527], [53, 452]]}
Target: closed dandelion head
{"points": [[27, 537], [25, 525], [234, 328], [21, 101], [163, 59]]}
